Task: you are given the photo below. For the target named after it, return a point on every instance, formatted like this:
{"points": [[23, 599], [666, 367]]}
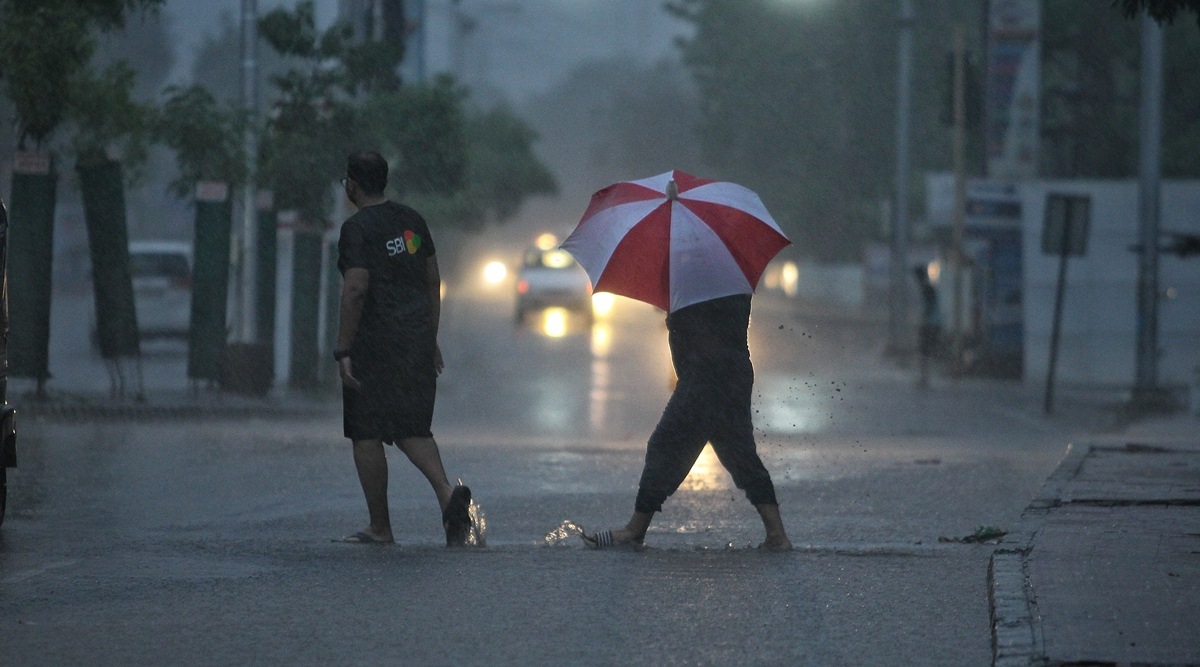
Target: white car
{"points": [[550, 278], [162, 287]]}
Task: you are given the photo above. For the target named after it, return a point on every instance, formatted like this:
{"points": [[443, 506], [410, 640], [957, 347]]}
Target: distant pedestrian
{"points": [[387, 350], [710, 404], [929, 332]]}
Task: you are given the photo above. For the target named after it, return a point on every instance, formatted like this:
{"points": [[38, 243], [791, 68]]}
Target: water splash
{"points": [[477, 536], [565, 531]]}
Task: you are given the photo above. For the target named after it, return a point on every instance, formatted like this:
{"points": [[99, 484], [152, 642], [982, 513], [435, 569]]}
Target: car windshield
{"points": [[151, 264], [549, 259]]}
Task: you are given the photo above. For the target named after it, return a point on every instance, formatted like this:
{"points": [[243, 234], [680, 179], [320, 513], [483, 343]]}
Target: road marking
{"points": [[26, 575]]}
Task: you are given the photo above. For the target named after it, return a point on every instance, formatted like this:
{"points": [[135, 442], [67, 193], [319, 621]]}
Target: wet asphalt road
{"points": [[208, 543]]}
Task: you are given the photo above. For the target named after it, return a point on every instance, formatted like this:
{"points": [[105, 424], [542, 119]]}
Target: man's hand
{"points": [[438, 364], [344, 370]]}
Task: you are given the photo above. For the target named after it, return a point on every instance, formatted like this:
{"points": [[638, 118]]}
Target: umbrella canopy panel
{"points": [[673, 246]]}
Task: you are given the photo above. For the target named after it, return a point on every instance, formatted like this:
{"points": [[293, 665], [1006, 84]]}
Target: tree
{"points": [[339, 95], [104, 115], [312, 122], [206, 137], [797, 104], [501, 171], [1160, 10], [1091, 95], [44, 46]]}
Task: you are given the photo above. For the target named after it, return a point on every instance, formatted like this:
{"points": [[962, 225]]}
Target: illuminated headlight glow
{"points": [[789, 278], [494, 273], [602, 303]]}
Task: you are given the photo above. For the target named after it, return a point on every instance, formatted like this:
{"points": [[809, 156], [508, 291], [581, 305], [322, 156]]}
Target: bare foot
{"points": [[368, 537], [776, 544]]}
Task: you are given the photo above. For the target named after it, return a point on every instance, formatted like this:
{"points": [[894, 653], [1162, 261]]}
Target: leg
{"points": [[777, 539], [672, 449], [424, 454], [734, 446], [670, 454], [371, 464]]}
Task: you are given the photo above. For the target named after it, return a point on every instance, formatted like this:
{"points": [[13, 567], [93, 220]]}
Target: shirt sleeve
{"points": [[428, 248], [351, 247]]}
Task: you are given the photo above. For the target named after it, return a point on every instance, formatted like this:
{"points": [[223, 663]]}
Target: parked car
{"points": [[162, 287], [8, 431], [551, 277]]}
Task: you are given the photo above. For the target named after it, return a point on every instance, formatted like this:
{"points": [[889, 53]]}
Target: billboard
{"points": [[1013, 88]]}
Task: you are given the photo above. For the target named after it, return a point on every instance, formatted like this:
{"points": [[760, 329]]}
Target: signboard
{"points": [[212, 191], [37, 164], [988, 202], [1065, 228], [1013, 86]]}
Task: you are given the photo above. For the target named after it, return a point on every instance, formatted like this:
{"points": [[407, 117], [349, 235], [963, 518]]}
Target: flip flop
{"points": [[361, 538], [456, 518], [600, 540]]}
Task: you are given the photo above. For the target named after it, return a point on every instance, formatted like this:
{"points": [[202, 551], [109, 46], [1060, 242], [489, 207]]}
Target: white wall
{"points": [[1097, 344]]}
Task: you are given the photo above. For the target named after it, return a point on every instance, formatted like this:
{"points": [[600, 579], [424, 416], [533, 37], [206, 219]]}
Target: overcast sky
{"points": [[518, 47]]}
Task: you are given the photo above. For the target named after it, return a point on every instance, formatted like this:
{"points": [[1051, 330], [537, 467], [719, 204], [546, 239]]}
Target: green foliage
{"points": [[1160, 10], [104, 114], [793, 107], [44, 46], [1091, 95], [503, 169], [422, 130], [206, 137], [313, 119], [339, 95]]}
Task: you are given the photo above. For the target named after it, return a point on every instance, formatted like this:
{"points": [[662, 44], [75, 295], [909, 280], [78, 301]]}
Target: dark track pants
{"points": [[712, 407]]}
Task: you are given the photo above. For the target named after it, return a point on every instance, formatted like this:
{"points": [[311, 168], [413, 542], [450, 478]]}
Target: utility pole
{"points": [[898, 325], [419, 49], [1146, 393], [249, 246], [960, 187]]}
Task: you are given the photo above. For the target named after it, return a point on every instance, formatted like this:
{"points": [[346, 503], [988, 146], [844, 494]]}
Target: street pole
{"points": [[898, 325], [960, 188], [249, 246], [420, 46], [1146, 393]]}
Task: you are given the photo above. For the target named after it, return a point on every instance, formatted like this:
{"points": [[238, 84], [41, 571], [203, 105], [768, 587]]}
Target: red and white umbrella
{"points": [[673, 240]]}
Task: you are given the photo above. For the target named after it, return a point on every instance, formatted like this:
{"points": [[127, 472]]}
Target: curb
{"points": [[93, 412], [1017, 638]]}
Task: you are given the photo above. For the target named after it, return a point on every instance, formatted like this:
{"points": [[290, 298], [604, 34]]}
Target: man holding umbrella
{"points": [[696, 249]]}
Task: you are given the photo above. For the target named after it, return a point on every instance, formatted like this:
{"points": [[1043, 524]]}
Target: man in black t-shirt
{"points": [[387, 351]]}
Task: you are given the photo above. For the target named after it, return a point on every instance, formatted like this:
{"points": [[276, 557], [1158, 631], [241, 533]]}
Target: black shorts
{"points": [[394, 402]]}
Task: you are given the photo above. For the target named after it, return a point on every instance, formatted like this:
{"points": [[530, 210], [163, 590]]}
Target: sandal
{"points": [[600, 540]]}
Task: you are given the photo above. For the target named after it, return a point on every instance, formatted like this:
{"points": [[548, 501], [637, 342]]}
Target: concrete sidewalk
{"points": [[1105, 566]]}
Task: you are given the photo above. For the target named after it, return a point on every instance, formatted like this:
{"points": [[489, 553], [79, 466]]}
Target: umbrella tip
{"points": [[672, 190]]}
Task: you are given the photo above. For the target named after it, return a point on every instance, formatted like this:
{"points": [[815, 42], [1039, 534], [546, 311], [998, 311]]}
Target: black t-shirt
{"points": [[392, 242]]}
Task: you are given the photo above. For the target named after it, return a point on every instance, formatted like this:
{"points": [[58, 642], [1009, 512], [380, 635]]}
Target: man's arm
{"points": [[434, 276], [354, 294]]}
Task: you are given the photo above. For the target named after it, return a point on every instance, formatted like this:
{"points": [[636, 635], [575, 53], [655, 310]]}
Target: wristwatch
{"points": [[338, 355]]}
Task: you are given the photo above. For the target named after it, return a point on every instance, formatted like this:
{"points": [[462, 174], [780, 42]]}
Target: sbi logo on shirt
{"points": [[410, 242]]}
